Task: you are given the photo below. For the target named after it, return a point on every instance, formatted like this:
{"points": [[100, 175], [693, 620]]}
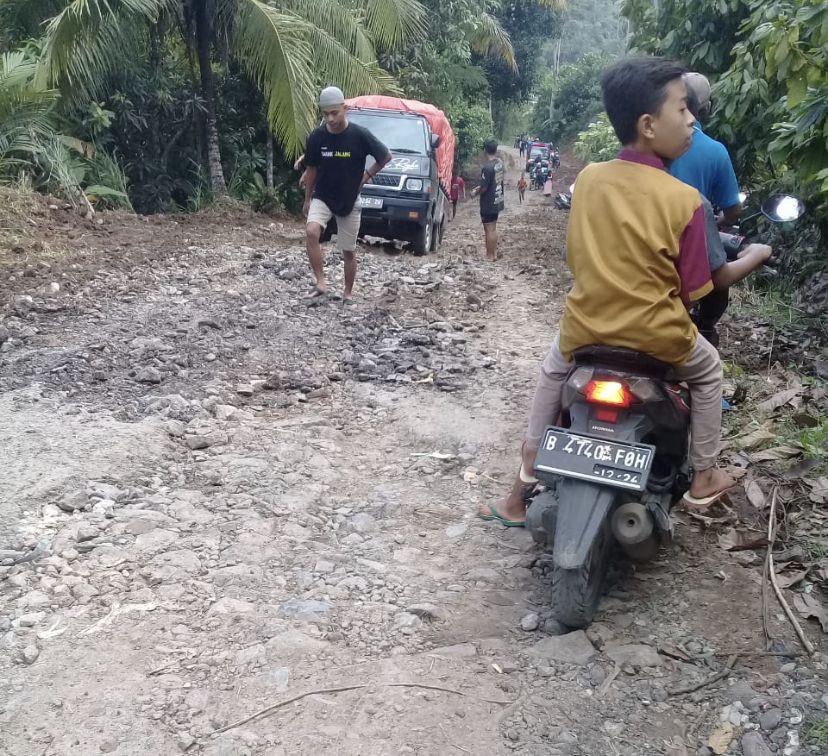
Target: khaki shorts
{"points": [[347, 226]]}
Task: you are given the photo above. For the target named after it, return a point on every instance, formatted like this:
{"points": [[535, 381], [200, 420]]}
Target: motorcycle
{"points": [[539, 174], [610, 472], [563, 200], [555, 157]]}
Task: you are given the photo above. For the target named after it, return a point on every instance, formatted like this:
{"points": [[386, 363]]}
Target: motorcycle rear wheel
{"points": [[576, 593]]}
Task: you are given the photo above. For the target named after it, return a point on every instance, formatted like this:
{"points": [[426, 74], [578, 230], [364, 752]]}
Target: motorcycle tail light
{"points": [[613, 393]]}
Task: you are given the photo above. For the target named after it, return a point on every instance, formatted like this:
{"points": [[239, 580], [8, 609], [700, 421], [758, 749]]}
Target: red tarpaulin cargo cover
{"points": [[436, 119]]}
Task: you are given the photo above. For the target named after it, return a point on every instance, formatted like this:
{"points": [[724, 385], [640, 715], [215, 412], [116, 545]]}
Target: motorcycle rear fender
{"points": [[583, 507]]}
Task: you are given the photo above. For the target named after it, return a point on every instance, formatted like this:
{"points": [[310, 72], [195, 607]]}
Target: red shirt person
{"points": [[458, 186]]}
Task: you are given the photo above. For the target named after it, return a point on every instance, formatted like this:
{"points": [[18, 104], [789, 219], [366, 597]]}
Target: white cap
{"points": [[331, 96], [700, 86]]}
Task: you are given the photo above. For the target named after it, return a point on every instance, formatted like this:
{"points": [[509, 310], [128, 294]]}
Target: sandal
{"points": [[495, 515], [704, 503], [315, 293]]}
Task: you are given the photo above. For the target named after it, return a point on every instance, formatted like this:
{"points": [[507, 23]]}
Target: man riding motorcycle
{"points": [[637, 296], [706, 166]]}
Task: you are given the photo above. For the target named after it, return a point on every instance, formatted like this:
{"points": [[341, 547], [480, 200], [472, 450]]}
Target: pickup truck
{"points": [[406, 201]]}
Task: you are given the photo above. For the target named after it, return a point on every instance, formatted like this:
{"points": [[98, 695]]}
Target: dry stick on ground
{"points": [[321, 691], [708, 681], [803, 639], [606, 684]]}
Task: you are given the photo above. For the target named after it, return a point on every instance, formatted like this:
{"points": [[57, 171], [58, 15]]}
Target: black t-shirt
{"points": [[491, 187], [340, 163]]}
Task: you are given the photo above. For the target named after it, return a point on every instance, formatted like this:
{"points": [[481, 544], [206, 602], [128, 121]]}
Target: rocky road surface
{"points": [[217, 500]]}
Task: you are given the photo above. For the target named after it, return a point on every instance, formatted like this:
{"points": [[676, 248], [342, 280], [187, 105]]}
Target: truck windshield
{"points": [[399, 134]]}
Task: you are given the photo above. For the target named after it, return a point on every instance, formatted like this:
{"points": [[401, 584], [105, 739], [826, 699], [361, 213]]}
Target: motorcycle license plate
{"points": [[372, 202], [575, 455]]}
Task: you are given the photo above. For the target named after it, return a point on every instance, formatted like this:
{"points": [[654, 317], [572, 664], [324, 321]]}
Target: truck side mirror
{"points": [[435, 141]]}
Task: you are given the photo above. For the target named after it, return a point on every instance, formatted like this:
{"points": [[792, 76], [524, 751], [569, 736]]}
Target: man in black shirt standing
{"points": [[491, 197], [335, 158]]}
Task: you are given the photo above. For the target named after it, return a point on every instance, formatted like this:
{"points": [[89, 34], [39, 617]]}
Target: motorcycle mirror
{"points": [[782, 208]]}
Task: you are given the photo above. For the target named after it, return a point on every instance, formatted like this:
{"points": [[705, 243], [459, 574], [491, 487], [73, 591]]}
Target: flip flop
{"points": [[703, 503], [495, 515], [315, 293]]}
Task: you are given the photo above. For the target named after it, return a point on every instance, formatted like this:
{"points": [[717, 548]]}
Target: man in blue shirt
{"points": [[706, 166]]}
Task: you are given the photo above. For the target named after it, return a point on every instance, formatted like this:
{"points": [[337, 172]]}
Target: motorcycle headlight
{"points": [[414, 185]]}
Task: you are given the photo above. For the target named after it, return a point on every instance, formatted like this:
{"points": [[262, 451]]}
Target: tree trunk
{"points": [[208, 93], [269, 158]]}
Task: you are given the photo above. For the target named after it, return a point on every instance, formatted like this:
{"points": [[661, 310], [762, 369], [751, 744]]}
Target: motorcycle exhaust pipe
{"points": [[632, 524]]}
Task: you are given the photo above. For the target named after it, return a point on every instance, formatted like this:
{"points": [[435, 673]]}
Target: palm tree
{"points": [[288, 47]]}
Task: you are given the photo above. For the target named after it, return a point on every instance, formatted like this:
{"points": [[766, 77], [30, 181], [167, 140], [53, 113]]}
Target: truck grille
{"points": [[384, 179]]}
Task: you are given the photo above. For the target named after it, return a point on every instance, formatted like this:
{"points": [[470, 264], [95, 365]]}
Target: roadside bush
{"points": [[472, 124], [597, 142]]}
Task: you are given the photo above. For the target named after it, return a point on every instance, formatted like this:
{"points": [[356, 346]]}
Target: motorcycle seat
{"points": [[619, 358]]}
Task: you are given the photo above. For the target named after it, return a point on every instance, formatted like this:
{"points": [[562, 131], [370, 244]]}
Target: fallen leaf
{"points": [[809, 606], [819, 490], [720, 738], [791, 578], [778, 400], [742, 540], [754, 438], [755, 494], [776, 454]]}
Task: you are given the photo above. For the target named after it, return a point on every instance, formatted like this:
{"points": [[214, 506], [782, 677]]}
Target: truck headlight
{"points": [[414, 185]]}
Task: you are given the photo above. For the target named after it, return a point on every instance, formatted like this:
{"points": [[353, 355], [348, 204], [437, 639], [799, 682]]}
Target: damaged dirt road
{"points": [[218, 499]]}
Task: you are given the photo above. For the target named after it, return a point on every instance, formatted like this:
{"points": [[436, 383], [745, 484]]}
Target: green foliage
{"points": [[287, 47], [587, 26], [529, 25], [30, 143], [814, 441], [817, 733], [769, 62], [472, 125], [567, 103], [597, 143]]}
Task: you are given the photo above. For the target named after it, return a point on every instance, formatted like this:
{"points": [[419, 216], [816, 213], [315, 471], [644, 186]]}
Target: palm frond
{"points": [[89, 40], [273, 47], [393, 23], [489, 38], [25, 109], [340, 21], [352, 75]]}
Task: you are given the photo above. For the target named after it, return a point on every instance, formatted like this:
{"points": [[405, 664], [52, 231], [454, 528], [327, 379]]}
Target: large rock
{"points": [[462, 650], [293, 643], [155, 540], [634, 653], [308, 610], [572, 648], [754, 745]]}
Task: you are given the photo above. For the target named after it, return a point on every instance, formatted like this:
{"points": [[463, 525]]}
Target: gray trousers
{"points": [[702, 372]]}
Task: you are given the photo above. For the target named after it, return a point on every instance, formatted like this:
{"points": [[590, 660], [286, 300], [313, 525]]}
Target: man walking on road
{"points": [[491, 197], [335, 173]]}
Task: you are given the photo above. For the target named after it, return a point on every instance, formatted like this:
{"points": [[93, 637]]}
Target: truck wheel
{"points": [[576, 593], [423, 240], [437, 236]]}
